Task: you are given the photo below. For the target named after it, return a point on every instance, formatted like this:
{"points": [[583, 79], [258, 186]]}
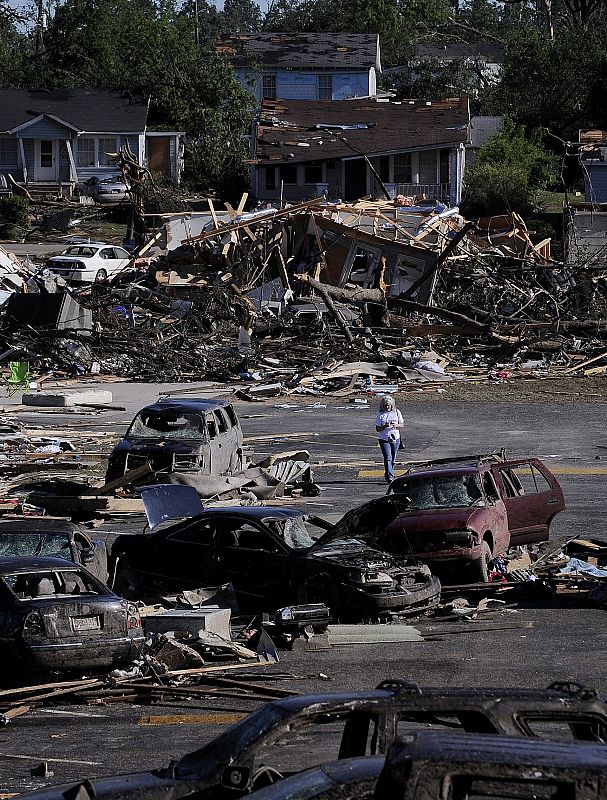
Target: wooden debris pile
{"points": [[281, 299]]}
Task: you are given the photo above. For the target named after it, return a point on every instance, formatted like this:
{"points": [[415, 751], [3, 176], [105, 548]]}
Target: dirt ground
{"points": [[517, 390]]}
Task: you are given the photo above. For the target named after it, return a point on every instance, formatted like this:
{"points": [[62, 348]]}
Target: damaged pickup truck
{"points": [[458, 514], [188, 436], [273, 557]]}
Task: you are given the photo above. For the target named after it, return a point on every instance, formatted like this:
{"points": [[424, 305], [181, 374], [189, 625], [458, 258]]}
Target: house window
{"points": [[86, 152], [444, 166], [288, 175], [313, 172], [8, 152], [402, 168], [107, 145], [427, 166], [325, 88], [269, 87], [270, 178]]}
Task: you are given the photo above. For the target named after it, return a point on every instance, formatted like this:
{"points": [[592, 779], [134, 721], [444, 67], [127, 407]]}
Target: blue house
{"points": [[304, 66], [62, 137]]}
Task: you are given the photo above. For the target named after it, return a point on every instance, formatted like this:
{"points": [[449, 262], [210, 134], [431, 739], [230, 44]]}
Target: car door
{"points": [[251, 558], [184, 553], [532, 496], [109, 262]]}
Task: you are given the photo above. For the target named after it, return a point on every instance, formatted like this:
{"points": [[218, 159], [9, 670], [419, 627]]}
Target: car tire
{"points": [[101, 276], [479, 570], [320, 589]]}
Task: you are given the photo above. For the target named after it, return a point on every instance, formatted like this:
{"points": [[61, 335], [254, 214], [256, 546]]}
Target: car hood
{"points": [[435, 519], [154, 447], [366, 523]]}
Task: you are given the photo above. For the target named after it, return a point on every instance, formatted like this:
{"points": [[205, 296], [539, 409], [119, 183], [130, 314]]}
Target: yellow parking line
{"points": [[378, 473], [192, 719]]}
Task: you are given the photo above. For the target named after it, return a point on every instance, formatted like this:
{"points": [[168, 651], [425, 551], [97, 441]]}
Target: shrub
{"points": [[13, 213]]}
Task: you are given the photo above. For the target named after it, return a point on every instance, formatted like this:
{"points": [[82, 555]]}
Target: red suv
{"points": [[462, 512]]}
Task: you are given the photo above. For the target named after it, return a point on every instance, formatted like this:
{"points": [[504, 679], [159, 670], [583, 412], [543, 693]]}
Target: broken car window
{"points": [[445, 491], [479, 788], [166, 425], [32, 585], [294, 532], [35, 544]]}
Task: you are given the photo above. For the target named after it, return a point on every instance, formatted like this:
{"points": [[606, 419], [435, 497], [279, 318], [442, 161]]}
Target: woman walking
{"points": [[388, 423]]}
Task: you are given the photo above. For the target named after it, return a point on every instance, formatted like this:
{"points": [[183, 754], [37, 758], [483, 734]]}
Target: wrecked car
{"points": [[51, 536], [272, 555], [458, 514], [187, 436], [54, 615], [93, 262], [465, 766], [283, 737]]}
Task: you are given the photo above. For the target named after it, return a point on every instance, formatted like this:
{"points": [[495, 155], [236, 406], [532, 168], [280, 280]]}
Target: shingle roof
{"points": [[307, 130], [302, 51], [85, 109]]}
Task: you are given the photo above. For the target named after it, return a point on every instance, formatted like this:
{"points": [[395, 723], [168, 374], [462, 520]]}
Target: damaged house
{"points": [[58, 138], [304, 66], [354, 148]]}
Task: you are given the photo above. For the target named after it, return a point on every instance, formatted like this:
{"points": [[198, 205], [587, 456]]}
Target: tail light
{"points": [[33, 624], [133, 620]]}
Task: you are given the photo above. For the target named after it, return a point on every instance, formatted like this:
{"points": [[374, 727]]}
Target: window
{"points": [[427, 166], [211, 426], [27, 586], [221, 422], [107, 252], [313, 172], [107, 145], [199, 533], [269, 87], [444, 166], [231, 415], [270, 178], [120, 253], [523, 479], [36, 544], [325, 88], [476, 787], [86, 152], [402, 168], [288, 175], [8, 152]]}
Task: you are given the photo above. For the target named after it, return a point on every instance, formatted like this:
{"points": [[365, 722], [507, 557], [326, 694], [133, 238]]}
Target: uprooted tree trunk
{"points": [[322, 290]]}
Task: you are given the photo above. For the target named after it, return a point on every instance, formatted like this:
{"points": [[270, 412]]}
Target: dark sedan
{"points": [[273, 557], [54, 615]]}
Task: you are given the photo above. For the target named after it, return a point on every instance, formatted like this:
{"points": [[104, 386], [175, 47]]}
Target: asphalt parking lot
{"points": [[530, 645]]}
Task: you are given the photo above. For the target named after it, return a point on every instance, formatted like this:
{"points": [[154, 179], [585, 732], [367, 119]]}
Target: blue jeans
{"points": [[389, 451]]}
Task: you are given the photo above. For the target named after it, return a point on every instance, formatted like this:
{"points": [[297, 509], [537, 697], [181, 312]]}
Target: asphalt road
{"points": [[530, 645]]}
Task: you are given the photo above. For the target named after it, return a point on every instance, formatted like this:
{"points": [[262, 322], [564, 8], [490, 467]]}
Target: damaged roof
{"points": [[309, 130], [302, 51], [84, 109]]}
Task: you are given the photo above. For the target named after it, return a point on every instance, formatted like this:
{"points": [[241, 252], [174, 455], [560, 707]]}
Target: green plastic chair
{"points": [[19, 377]]}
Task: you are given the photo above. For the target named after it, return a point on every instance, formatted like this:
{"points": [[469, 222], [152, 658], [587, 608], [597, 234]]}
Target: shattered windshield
{"points": [[167, 425], [442, 491], [297, 532], [35, 544]]}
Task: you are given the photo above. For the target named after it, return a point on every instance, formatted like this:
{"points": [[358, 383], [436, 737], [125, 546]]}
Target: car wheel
{"points": [[479, 570], [101, 276], [320, 589]]}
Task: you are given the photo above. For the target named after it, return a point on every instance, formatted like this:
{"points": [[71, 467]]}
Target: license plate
{"points": [[86, 623]]}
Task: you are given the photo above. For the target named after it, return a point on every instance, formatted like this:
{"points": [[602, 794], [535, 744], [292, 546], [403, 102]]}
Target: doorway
{"points": [[355, 179], [47, 160]]}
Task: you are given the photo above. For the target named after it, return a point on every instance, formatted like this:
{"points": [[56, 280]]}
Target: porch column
{"points": [[70, 155], [22, 159]]}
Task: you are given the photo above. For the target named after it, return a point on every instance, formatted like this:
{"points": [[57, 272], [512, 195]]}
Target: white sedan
{"points": [[94, 262]]}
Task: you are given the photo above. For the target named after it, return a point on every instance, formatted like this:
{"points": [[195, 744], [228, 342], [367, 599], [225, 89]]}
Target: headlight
{"points": [[459, 536]]}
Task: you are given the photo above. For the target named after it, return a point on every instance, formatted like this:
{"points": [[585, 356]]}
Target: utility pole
{"points": [[39, 26]]}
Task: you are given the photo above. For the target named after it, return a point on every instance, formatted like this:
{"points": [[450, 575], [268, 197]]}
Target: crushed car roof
{"points": [[12, 564], [186, 404]]}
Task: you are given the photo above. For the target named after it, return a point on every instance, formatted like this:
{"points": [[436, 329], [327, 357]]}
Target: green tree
{"points": [[507, 172], [240, 16], [150, 49]]}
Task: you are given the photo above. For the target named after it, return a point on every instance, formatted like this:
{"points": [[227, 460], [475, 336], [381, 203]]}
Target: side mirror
{"points": [[88, 555], [236, 778]]}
